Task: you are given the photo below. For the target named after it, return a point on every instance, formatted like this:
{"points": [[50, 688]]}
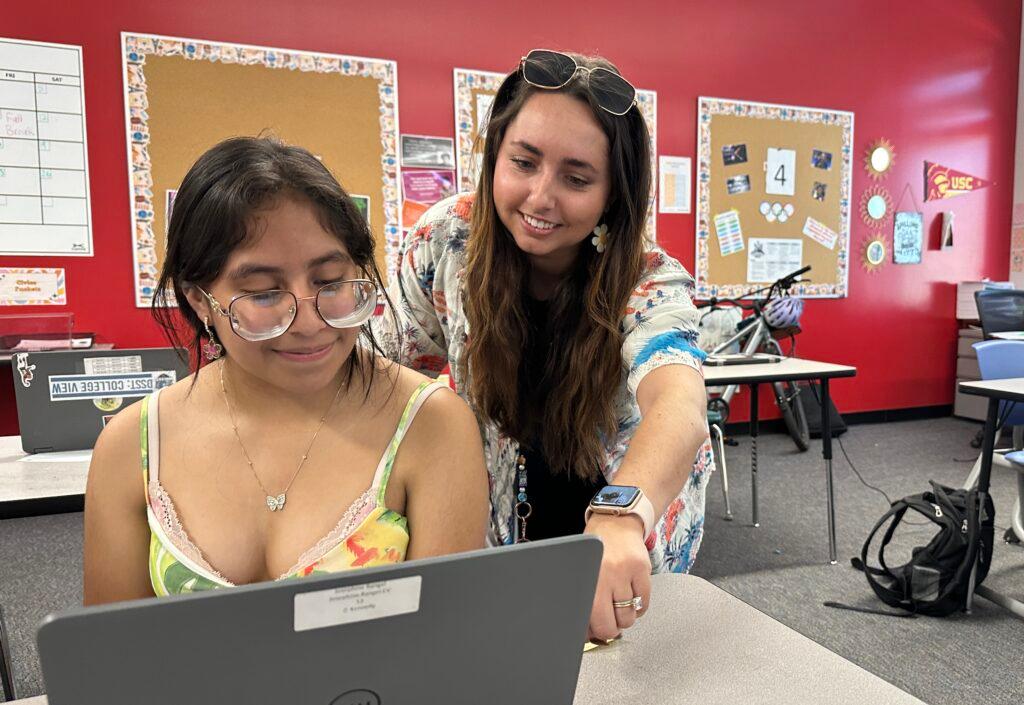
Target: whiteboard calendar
{"points": [[44, 176]]}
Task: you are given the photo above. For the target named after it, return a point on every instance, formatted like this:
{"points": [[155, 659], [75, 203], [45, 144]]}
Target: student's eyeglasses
{"points": [[544, 68], [267, 314]]}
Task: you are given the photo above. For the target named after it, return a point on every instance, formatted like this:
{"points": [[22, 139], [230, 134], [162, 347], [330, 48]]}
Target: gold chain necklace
{"points": [[275, 502]]}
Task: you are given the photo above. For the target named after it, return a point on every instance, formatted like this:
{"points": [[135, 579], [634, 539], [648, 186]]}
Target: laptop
{"points": [[66, 398], [725, 359], [498, 626]]}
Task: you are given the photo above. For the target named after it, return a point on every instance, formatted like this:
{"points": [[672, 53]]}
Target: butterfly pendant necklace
{"points": [[275, 503]]}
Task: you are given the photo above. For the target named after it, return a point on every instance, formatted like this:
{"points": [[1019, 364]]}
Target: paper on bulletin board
{"points": [[674, 184], [780, 172], [821, 233], [770, 259], [32, 287], [730, 234], [483, 112]]}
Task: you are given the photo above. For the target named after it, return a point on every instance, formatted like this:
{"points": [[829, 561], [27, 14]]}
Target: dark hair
{"points": [[213, 214], [584, 365]]}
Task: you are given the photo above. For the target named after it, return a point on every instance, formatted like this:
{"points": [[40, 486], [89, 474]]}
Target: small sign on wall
{"points": [[907, 238], [32, 287]]}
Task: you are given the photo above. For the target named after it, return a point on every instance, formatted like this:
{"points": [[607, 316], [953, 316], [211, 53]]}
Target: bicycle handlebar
{"points": [[781, 284]]}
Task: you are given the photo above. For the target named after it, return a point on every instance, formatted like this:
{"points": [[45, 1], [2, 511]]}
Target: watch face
{"points": [[616, 496]]}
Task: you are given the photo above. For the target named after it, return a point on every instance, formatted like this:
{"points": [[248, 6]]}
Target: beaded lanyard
{"points": [[522, 509]]}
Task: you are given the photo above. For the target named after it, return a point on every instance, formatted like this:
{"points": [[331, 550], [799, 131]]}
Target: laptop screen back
{"points": [[66, 398], [502, 625]]}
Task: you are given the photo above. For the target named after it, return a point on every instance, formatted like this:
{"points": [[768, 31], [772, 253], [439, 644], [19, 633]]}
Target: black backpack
{"points": [[936, 580]]}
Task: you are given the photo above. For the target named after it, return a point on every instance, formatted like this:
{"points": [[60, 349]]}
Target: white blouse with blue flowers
{"points": [[659, 328]]}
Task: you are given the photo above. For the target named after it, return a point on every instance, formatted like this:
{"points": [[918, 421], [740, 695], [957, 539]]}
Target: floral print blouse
{"points": [[659, 328]]}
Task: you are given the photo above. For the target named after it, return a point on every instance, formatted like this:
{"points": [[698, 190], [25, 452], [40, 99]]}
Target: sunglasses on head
{"points": [[548, 69]]}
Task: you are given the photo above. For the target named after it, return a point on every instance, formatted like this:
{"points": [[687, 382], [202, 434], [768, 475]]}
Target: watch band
{"points": [[642, 508]]}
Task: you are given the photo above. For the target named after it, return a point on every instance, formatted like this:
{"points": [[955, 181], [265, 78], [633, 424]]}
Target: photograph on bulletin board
{"points": [[474, 93], [773, 194], [230, 90]]}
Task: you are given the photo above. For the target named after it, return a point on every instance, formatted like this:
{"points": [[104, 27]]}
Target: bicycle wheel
{"points": [[786, 396]]}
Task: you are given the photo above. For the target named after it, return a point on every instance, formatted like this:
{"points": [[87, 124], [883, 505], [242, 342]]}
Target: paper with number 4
{"points": [[730, 234], [780, 172]]}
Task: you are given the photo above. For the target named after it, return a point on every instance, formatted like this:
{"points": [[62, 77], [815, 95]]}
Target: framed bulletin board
{"points": [[183, 96], [773, 195], [474, 92]]}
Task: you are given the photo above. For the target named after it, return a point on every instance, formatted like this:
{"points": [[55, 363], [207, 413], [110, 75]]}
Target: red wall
{"points": [[938, 79]]}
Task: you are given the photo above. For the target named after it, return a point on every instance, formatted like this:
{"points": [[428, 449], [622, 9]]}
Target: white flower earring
{"points": [[600, 239], [211, 348]]}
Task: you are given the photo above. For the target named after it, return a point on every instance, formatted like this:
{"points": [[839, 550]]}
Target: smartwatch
{"points": [[619, 500]]}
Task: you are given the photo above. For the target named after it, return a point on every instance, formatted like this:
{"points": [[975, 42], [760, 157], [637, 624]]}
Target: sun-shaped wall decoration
{"points": [[874, 252], [879, 158], [876, 206]]}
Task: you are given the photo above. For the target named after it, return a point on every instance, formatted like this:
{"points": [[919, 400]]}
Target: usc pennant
{"points": [[942, 182]]}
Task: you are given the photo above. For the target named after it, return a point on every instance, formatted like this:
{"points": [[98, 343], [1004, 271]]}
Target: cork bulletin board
{"points": [[474, 92], [773, 195], [183, 96]]}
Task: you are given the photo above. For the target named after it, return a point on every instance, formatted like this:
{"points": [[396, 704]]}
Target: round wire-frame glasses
{"points": [[268, 314]]}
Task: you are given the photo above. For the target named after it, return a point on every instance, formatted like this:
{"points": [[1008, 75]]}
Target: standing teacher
{"points": [[573, 337]]}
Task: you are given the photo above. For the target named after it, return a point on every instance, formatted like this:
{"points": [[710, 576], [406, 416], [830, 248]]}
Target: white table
{"points": [[996, 390], [790, 369], [49, 477], [698, 644]]}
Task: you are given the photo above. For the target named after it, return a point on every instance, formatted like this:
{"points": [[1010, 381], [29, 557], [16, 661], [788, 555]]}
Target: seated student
{"points": [[294, 450]]}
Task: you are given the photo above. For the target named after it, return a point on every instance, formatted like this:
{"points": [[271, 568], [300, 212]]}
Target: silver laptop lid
{"points": [[497, 626]]}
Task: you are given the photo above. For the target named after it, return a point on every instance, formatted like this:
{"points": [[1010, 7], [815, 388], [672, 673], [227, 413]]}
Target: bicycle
{"points": [[758, 334]]}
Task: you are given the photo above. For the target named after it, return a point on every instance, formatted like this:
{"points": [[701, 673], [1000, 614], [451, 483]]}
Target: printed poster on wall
{"points": [[422, 189]]}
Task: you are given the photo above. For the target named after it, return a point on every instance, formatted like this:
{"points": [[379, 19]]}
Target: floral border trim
{"points": [[135, 49], [708, 107], [647, 102], [465, 129]]}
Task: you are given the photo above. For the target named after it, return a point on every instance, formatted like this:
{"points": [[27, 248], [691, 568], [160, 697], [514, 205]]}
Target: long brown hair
{"points": [[583, 368]]}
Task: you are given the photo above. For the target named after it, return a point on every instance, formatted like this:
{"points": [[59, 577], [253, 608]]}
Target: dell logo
{"points": [[357, 697]]}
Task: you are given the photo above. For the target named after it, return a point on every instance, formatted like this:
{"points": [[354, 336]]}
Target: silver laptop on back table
{"points": [[493, 627]]}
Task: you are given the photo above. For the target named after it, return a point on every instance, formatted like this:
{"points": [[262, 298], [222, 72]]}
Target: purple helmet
{"points": [[784, 312]]}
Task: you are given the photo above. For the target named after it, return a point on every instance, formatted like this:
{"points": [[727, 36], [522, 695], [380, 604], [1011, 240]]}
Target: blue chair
{"points": [[1000, 359]]}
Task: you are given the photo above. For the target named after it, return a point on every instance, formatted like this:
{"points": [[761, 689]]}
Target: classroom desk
{"points": [[699, 644], [995, 390], [790, 369], [50, 482]]}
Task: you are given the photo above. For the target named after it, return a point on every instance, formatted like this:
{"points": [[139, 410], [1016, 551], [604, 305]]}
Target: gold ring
{"points": [[637, 603]]}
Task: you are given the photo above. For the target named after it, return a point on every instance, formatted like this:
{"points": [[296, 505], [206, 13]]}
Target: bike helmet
{"points": [[784, 312]]}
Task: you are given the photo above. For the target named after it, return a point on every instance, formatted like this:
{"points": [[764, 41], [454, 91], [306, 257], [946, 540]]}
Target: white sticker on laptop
{"points": [[74, 387], [113, 365], [358, 603]]}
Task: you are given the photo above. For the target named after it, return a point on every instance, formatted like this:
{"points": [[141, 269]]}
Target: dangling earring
{"points": [[600, 239], [211, 348]]}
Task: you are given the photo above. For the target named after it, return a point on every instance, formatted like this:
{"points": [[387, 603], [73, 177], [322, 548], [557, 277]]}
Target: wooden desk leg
{"points": [[826, 452], [753, 451]]}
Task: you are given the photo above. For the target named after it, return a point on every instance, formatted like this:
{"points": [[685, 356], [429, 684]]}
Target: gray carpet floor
{"points": [[780, 568]]}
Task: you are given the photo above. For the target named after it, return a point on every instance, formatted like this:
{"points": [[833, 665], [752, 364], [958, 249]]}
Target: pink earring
{"points": [[211, 348]]}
